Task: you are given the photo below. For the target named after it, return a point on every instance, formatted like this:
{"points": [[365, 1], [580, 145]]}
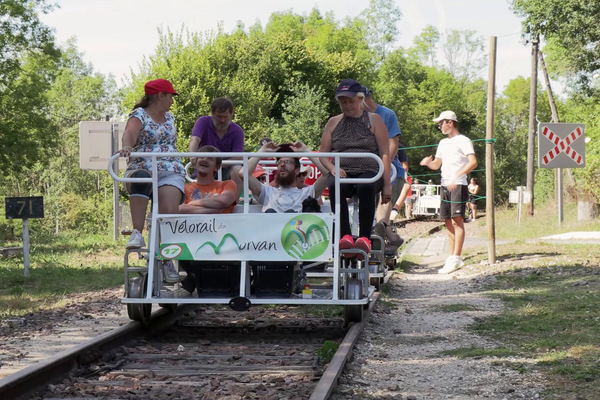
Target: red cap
{"points": [[159, 85], [258, 171]]}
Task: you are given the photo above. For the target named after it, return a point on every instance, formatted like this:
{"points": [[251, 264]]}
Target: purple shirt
{"points": [[232, 141]]}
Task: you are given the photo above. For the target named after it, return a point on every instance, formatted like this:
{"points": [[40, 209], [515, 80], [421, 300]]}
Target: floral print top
{"points": [[155, 138]]}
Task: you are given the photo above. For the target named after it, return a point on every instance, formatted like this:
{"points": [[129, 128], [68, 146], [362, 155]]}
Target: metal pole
{"points": [[532, 125], [489, 154], [114, 147], [519, 202], [559, 186], [26, 246]]}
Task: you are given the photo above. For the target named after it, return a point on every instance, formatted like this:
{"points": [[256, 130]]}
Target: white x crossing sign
{"points": [[561, 145]]}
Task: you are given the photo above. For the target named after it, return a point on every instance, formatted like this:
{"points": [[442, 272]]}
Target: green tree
{"points": [[304, 117], [572, 30], [463, 50], [27, 53], [424, 46], [381, 25], [257, 69], [74, 199]]}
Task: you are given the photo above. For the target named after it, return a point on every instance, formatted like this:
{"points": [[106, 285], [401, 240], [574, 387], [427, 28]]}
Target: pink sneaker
{"points": [[347, 242], [363, 244]]}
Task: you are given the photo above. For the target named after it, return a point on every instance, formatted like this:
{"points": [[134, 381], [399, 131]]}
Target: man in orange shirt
{"points": [[207, 195]]}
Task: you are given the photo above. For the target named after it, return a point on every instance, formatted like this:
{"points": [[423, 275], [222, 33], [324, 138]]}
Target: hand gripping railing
{"points": [[244, 156]]}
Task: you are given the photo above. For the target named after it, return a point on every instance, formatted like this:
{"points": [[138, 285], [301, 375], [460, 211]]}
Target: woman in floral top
{"points": [[151, 128]]}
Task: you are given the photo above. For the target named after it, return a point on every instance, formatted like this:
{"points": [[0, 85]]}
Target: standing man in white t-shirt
{"points": [[456, 157]]}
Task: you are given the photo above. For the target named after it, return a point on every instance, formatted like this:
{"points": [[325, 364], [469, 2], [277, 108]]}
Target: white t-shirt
{"points": [[284, 199], [453, 152]]}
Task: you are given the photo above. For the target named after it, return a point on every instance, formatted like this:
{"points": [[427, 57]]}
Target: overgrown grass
{"points": [[553, 312], [59, 265], [543, 223]]}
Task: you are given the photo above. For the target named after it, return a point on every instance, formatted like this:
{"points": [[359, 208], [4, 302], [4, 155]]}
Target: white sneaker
{"points": [[452, 264], [136, 240], [170, 274]]}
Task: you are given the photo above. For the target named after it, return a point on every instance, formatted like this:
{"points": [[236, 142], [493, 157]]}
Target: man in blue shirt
{"points": [[394, 133]]}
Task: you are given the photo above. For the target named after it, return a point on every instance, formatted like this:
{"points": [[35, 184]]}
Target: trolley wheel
{"points": [[376, 283], [170, 307], [137, 290], [353, 313]]}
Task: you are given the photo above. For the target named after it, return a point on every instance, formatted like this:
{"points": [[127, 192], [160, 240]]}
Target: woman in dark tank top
{"points": [[356, 131]]}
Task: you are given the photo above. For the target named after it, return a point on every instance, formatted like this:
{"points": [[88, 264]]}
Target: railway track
{"points": [[206, 353]]}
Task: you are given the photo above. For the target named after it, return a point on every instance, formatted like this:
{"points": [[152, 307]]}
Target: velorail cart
{"points": [[247, 257]]}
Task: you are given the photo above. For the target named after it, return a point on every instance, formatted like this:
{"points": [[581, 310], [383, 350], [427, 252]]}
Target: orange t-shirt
{"points": [[194, 191]]}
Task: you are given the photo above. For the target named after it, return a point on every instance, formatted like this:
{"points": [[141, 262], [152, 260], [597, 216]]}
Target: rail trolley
{"points": [[246, 258], [428, 200]]}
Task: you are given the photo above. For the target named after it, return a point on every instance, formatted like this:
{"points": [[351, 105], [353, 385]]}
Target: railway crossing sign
{"points": [[561, 145]]}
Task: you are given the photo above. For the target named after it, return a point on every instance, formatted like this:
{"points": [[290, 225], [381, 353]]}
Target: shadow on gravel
{"points": [[421, 268]]}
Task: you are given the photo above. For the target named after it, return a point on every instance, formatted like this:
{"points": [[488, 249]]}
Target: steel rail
{"points": [[330, 377], [23, 383]]}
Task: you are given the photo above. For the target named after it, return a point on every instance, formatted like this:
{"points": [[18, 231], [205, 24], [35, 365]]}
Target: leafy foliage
{"points": [[27, 56], [571, 27]]}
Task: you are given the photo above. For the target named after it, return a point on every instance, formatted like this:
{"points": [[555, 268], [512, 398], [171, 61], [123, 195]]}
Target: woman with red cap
{"points": [[151, 129]]}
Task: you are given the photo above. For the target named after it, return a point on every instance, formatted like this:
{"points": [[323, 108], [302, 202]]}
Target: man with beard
{"points": [[220, 131], [286, 197]]}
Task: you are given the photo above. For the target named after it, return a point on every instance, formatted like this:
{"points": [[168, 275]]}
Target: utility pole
{"points": [[532, 124], [489, 154]]}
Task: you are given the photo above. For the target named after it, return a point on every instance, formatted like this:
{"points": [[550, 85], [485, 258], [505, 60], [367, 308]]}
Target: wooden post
{"points": [[532, 125], [489, 154]]}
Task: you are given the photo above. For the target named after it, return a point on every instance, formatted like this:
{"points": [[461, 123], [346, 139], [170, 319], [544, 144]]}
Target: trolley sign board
{"points": [[561, 145], [278, 237], [24, 207], [98, 141]]}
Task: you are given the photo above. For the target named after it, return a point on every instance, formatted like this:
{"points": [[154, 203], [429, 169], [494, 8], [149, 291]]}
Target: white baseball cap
{"points": [[446, 115]]}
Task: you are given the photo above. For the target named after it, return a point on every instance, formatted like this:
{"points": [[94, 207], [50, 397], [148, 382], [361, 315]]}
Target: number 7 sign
{"points": [[561, 145]]}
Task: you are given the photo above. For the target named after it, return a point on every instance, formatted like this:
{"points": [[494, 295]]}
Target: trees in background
{"points": [[282, 78], [572, 36], [27, 51]]}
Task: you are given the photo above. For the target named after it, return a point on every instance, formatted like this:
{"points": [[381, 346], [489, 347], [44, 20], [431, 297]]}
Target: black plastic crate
{"points": [[215, 279], [272, 278]]}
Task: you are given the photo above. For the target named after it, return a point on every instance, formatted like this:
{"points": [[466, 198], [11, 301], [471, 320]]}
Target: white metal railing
{"points": [[154, 243]]}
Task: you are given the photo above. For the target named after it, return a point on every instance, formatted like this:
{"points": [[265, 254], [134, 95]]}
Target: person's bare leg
{"points": [[474, 214], [450, 227], [383, 212], [459, 235], [138, 207], [169, 198], [408, 210], [403, 195]]}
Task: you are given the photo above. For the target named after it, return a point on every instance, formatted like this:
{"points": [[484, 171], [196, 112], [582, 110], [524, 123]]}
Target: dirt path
{"points": [[401, 354]]}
